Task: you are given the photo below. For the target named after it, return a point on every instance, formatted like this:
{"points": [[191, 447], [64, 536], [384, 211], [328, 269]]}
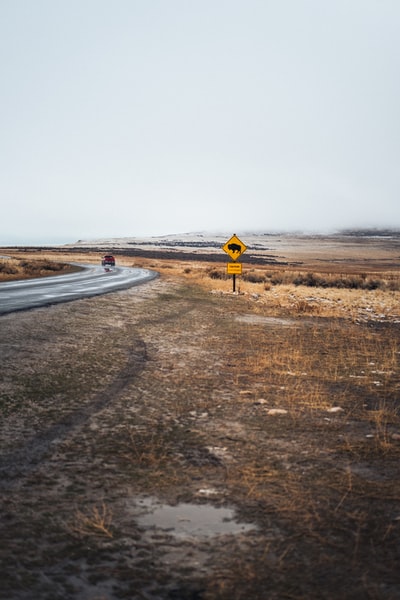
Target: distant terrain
{"points": [[360, 248]]}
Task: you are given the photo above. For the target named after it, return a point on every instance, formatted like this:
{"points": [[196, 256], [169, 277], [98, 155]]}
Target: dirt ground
{"points": [[179, 441]]}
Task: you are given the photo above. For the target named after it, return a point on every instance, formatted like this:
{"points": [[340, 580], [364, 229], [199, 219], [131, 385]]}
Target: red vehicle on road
{"points": [[108, 261]]}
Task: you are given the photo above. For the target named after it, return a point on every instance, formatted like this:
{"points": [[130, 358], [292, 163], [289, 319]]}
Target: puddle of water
{"points": [[191, 520], [260, 320]]}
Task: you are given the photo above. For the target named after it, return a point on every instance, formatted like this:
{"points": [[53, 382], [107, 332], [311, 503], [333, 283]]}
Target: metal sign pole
{"points": [[234, 282]]}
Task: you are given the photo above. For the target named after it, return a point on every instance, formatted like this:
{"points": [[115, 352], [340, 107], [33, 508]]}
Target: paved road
{"points": [[92, 281]]}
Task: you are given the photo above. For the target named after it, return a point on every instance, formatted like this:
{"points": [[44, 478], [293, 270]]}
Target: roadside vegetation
{"points": [[352, 281], [16, 268]]}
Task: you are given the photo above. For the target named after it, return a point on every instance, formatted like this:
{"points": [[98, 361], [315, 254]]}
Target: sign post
{"points": [[234, 248]]}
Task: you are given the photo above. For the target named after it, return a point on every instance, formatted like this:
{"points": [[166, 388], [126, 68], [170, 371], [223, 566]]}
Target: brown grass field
{"points": [[280, 402]]}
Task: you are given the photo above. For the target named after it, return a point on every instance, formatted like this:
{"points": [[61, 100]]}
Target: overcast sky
{"points": [[145, 117]]}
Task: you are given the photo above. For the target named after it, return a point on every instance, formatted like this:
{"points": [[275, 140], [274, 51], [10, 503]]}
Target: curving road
{"points": [[91, 281]]}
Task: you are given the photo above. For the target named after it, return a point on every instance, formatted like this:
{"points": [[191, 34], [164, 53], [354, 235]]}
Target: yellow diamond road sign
{"points": [[234, 247]]}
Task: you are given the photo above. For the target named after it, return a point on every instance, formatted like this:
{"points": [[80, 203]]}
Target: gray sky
{"points": [[147, 117]]}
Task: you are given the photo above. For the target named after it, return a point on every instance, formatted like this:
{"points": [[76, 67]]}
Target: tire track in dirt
{"points": [[31, 455]]}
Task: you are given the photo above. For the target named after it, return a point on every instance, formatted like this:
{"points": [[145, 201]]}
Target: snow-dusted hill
{"points": [[281, 248]]}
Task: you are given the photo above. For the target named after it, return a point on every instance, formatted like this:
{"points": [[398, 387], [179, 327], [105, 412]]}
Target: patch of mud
{"points": [[368, 472], [31, 452], [186, 520]]}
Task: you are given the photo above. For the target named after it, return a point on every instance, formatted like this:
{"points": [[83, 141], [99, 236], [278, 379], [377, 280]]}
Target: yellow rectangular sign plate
{"points": [[234, 268]]}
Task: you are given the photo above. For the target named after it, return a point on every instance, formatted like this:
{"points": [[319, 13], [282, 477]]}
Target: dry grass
{"points": [[353, 303], [95, 522], [16, 268]]}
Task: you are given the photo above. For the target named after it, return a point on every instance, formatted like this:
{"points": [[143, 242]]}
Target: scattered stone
{"points": [[218, 452], [207, 492], [335, 409], [197, 415], [277, 411]]}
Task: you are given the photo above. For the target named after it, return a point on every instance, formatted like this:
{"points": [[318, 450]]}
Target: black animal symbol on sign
{"points": [[234, 248]]}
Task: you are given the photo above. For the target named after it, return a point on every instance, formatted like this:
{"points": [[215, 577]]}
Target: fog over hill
{"points": [[203, 239], [268, 248]]}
